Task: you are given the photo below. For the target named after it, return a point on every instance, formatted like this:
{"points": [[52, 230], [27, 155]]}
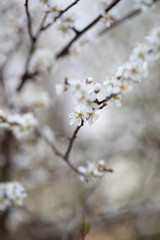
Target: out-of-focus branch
{"points": [[71, 141], [129, 15], [121, 20], [68, 234], [59, 15], [41, 26], [34, 38], [57, 152], [65, 50]]}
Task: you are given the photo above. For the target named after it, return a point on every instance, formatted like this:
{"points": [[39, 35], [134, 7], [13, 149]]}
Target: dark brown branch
{"points": [[59, 15], [25, 77], [34, 38], [29, 24], [65, 50], [105, 99]]}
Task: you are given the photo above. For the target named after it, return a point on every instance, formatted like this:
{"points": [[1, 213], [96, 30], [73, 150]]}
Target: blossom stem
{"points": [[71, 141]]}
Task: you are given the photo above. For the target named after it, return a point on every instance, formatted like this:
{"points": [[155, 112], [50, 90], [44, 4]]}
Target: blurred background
{"points": [[126, 204]]}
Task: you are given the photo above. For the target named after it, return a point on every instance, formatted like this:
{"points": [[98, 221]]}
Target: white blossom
{"points": [[77, 115], [132, 70], [22, 125], [107, 19], [91, 117]]}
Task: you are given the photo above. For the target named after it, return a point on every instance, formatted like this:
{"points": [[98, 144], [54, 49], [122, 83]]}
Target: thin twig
{"points": [[65, 50], [71, 141], [41, 26], [53, 147], [57, 152]]}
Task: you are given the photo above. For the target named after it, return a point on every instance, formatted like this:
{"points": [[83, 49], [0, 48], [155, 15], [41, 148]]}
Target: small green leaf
{"points": [[86, 228]]}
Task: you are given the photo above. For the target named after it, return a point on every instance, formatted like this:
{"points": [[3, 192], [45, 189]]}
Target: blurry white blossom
{"points": [[107, 19], [53, 7], [67, 22], [143, 4], [11, 193], [42, 61], [33, 98], [22, 125], [93, 170]]}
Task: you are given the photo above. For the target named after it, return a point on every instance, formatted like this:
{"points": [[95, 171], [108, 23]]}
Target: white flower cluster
{"points": [[107, 19], [136, 68], [143, 4], [11, 193], [33, 98], [67, 22], [93, 170], [52, 6], [85, 94], [42, 61], [22, 125]]}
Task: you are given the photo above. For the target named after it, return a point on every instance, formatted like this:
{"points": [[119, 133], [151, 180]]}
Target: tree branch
{"points": [[106, 99], [71, 141], [34, 38], [29, 24], [65, 50]]}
